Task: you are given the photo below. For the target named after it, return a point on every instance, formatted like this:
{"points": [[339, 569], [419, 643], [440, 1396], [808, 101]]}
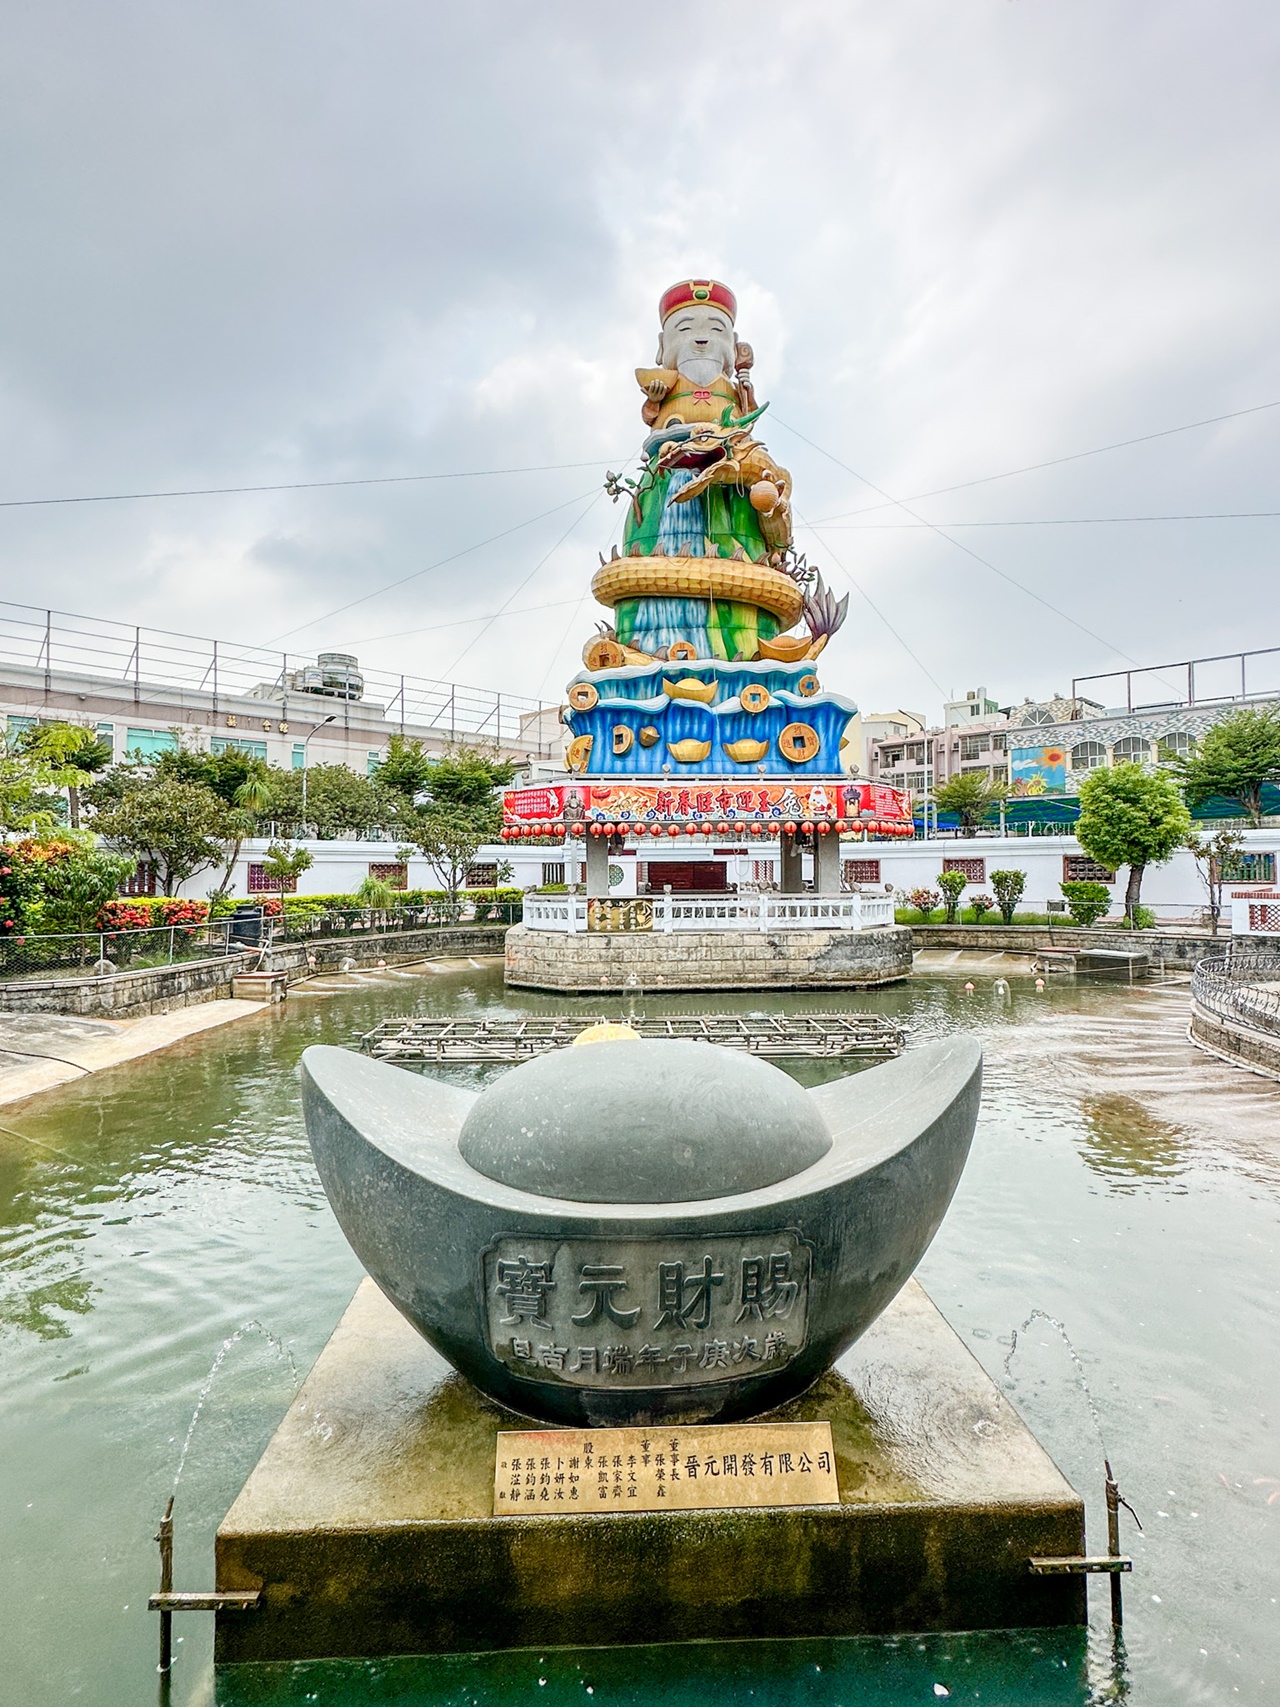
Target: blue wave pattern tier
{"points": [[684, 719]]}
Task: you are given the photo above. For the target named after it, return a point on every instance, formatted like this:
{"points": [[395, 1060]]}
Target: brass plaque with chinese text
{"points": [[543, 1471], [620, 915]]}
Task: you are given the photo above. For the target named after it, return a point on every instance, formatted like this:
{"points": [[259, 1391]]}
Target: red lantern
{"points": [[824, 829], [691, 829], [673, 829], [722, 829], [706, 828], [558, 827], [756, 830], [842, 824], [595, 829], [789, 827], [807, 828]]}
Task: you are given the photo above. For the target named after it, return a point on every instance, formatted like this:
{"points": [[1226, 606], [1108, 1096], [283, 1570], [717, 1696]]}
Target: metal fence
{"points": [[99, 954], [1241, 988]]}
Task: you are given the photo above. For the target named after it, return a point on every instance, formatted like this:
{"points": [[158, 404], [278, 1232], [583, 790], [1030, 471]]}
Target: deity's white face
{"points": [[698, 341]]}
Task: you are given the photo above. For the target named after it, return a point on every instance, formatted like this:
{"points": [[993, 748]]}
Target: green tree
{"points": [[73, 755], [405, 767], [468, 777], [75, 889], [1130, 816], [248, 803], [180, 827], [450, 837], [1008, 886], [1233, 759], [226, 773], [1214, 856], [972, 795], [284, 865], [952, 885], [339, 803]]}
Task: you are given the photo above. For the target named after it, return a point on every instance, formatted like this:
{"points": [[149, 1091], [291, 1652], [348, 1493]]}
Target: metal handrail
{"points": [[1236, 988]]}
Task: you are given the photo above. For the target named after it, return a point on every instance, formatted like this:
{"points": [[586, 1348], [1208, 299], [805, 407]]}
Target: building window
{"points": [[261, 884], [483, 875], [999, 743], [914, 779], [371, 763], [106, 733], [552, 871], [1088, 756], [974, 869], [1134, 749], [1172, 745], [860, 871], [1079, 868], [1038, 716], [299, 756], [150, 743], [143, 880], [228, 744], [20, 725], [973, 746], [1248, 868], [394, 872]]}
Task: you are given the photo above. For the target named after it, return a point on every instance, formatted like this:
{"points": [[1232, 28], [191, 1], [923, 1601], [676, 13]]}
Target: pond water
{"points": [[1121, 1183]]}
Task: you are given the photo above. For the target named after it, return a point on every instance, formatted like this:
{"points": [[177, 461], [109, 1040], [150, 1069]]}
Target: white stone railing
{"points": [[724, 912]]}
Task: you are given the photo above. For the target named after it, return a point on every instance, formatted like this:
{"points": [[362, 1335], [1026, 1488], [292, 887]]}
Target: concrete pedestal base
{"points": [[368, 1523], [588, 962]]}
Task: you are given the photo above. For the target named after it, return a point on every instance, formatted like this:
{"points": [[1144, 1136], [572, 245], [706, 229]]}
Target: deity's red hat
{"points": [[698, 293]]}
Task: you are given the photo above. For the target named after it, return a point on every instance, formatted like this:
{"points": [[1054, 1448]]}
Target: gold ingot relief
{"points": [[689, 751], [583, 696], [649, 736], [622, 738], [799, 742], [746, 751], [579, 754], [754, 698], [786, 648], [690, 688]]}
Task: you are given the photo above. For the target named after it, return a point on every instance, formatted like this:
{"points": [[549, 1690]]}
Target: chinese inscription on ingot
{"points": [[677, 1469], [647, 1313]]}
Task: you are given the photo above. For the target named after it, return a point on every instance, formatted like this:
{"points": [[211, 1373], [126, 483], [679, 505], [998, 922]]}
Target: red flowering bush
{"points": [[172, 911], [124, 916]]}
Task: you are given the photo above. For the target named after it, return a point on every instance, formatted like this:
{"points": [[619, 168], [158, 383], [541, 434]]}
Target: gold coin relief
{"points": [[799, 742], [579, 752], [754, 698], [622, 738], [682, 650], [583, 696], [807, 685]]}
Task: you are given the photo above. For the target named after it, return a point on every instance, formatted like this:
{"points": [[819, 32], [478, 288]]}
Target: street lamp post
{"points": [[306, 743]]}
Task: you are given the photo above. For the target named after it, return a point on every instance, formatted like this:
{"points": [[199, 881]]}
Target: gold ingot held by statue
{"points": [[799, 742], [746, 751], [786, 648], [689, 751], [690, 688]]}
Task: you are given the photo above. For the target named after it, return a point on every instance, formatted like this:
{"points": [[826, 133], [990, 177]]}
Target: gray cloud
{"points": [[249, 243]]}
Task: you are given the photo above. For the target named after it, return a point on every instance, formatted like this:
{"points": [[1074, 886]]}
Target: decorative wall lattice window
{"points": [[1088, 756], [261, 884], [860, 871], [974, 869], [143, 880], [1134, 749], [1079, 868], [552, 871], [762, 871], [394, 872], [1249, 868], [1264, 917], [482, 875]]}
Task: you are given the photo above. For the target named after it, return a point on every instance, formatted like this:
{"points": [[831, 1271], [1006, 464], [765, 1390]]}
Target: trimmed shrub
{"points": [[1086, 901], [925, 902], [981, 905], [952, 885], [1008, 886]]}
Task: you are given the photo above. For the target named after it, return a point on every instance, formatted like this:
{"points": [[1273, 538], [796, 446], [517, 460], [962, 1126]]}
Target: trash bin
{"points": [[246, 926]]}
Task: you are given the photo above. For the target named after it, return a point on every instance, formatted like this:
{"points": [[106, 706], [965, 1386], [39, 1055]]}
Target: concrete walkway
{"points": [[88, 1045]]}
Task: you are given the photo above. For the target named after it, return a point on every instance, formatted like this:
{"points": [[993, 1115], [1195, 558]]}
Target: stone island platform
{"points": [[368, 1524]]}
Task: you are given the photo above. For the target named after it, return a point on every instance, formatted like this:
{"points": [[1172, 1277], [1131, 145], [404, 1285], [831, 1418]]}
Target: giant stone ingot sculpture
{"points": [[642, 1231]]}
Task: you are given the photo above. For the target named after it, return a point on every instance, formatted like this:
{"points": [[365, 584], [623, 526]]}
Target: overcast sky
{"points": [[250, 242]]}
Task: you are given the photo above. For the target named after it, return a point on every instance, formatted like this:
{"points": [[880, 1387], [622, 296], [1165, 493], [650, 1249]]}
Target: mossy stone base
{"points": [[368, 1520]]}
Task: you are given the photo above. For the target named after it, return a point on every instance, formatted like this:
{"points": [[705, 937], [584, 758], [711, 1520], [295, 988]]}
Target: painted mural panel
{"points": [[1037, 770]]}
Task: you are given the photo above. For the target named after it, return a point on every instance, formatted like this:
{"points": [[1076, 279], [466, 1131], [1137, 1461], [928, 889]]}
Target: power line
{"points": [[875, 607], [1057, 461], [438, 564], [959, 545], [1047, 521], [461, 622], [299, 485]]}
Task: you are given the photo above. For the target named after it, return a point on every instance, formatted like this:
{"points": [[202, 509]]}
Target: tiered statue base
{"points": [[368, 1524], [585, 963]]}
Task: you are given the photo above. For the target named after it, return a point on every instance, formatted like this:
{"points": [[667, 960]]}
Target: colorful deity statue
{"points": [[698, 673]]}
